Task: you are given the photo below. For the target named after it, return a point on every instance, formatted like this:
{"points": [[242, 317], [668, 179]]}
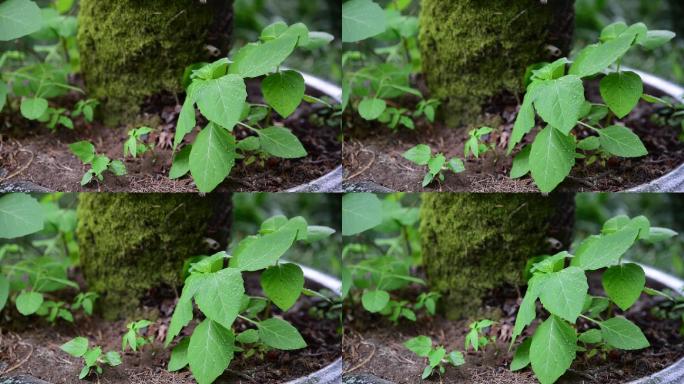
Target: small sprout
{"points": [[133, 339], [92, 357], [437, 356], [421, 154], [135, 145], [85, 151]]}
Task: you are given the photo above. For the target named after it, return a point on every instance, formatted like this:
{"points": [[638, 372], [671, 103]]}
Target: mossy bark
{"points": [[474, 50], [131, 243], [472, 243], [131, 49]]}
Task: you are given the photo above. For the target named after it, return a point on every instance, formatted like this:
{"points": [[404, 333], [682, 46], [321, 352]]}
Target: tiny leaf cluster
{"points": [[421, 154], [93, 359], [85, 151], [437, 357]]}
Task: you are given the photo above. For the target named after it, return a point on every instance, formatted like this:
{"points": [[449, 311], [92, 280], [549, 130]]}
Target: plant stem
{"points": [[590, 319], [248, 320], [588, 126]]}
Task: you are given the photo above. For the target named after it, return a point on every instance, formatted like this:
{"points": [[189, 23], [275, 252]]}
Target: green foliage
{"points": [[421, 154], [85, 151], [20, 215], [135, 145], [474, 145], [437, 356], [19, 18], [476, 337], [133, 339], [362, 19], [93, 359], [360, 212]]}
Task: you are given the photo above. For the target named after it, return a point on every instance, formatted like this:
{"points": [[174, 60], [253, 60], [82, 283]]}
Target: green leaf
{"points": [[250, 143], [249, 336], [436, 163], [521, 359], [28, 302], [254, 60], [318, 39], [528, 310], [186, 120], [621, 92], [420, 345], [84, 150], [280, 142], [655, 39], [525, 120], [212, 157], [221, 100], [283, 284], [318, 232], [20, 215], [263, 252], [604, 251], [621, 141], [3, 94], [19, 18], [183, 313], [372, 108], [521, 163], [4, 291], [657, 234], [112, 358], [362, 19], [181, 163], [360, 212], [621, 333], [92, 355], [420, 154], [456, 358], [219, 295], [283, 91], [612, 31], [597, 57], [592, 336], [179, 355], [427, 372], [435, 356], [76, 347], [273, 31], [551, 158], [624, 283], [590, 143], [563, 293], [84, 372], [100, 164], [552, 350], [375, 301], [456, 165], [33, 108], [210, 351], [279, 334], [559, 102], [117, 167]]}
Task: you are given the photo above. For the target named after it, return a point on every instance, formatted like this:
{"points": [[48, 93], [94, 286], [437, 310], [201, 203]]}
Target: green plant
{"points": [[134, 145], [86, 108], [437, 356], [421, 154], [85, 151], [85, 300], [563, 292], [476, 337], [93, 359], [558, 98], [474, 145], [132, 337], [219, 91], [212, 345]]}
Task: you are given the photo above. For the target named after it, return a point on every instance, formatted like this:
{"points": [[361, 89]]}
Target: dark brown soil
{"points": [[31, 152], [373, 345], [372, 152], [32, 347]]}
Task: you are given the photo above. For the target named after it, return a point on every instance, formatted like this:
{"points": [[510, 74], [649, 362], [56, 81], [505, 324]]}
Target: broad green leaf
{"points": [[181, 163], [91, 356], [263, 252], [590, 143], [221, 100], [4, 291], [254, 60], [250, 143], [521, 359], [210, 351], [563, 293], [624, 283], [219, 296], [279, 334], [621, 333], [456, 165], [212, 157], [318, 232], [559, 102], [183, 313], [283, 91], [84, 150], [117, 167], [612, 31], [281, 142], [186, 120], [621, 92], [551, 71], [362, 19], [33, 108], [553, 349], [435, 356], [521, 163], [420, 154], [655, 39], [19, 18], [283, 284], [551, 158], [76, 347], [420, 345], [28, 302], [657, 234], [179, 355], [375, 301], [100, 164], [372, 108], [528, 309], [318, 39], [360, 212], [621, 141], [436, 163], [3, 94], [428, 179], [456, 358], [273, 31], [597, 57], [592, 336], [604, 251], [20, 215], [525, 120], [112, 359], [249, 336]]}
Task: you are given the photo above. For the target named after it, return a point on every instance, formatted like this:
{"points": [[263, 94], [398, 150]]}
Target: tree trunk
{"points": [[132, 49], [474, 50], [131, 243], [473, 243]]}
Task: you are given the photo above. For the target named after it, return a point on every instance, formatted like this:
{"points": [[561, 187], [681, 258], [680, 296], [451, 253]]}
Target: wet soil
{"points": [[373, 153], [31, 346], [373, 345], [30, 152]]}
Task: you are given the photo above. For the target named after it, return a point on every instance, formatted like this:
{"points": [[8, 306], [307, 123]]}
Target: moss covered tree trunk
{"points": [[131, 243], [131, 49], [473, 243], [474, 50]]}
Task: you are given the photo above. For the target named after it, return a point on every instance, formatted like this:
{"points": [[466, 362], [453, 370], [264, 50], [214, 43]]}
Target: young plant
{"points": [[133, 339], [558, 98], [85, 151], [219, 293], [476, 337], [563, 292], [85, 300], [219, 91], [421, 154], [474, 145], [437, 356], [86, 108], [93, 359], [52, 310], [135, 145]]}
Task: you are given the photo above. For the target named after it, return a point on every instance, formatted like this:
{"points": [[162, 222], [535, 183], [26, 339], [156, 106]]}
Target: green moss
{"points": [[472, 243], [131, 49], [130, 243], [473, 50]]}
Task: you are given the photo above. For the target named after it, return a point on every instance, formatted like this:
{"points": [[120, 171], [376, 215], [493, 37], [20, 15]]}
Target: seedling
{"points": [[437, 356], [93, 359], [474, 145], [85, 300], [558, 98], [86, 108], [476, 337], [52, 310], [85, 151], [133, 339], [135, 145], [421, 154], [563, 292]]}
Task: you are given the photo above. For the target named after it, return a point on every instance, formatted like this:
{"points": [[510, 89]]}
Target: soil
{"points": [[375, 346], [30, 152], [373, 153], [32, 347]]}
